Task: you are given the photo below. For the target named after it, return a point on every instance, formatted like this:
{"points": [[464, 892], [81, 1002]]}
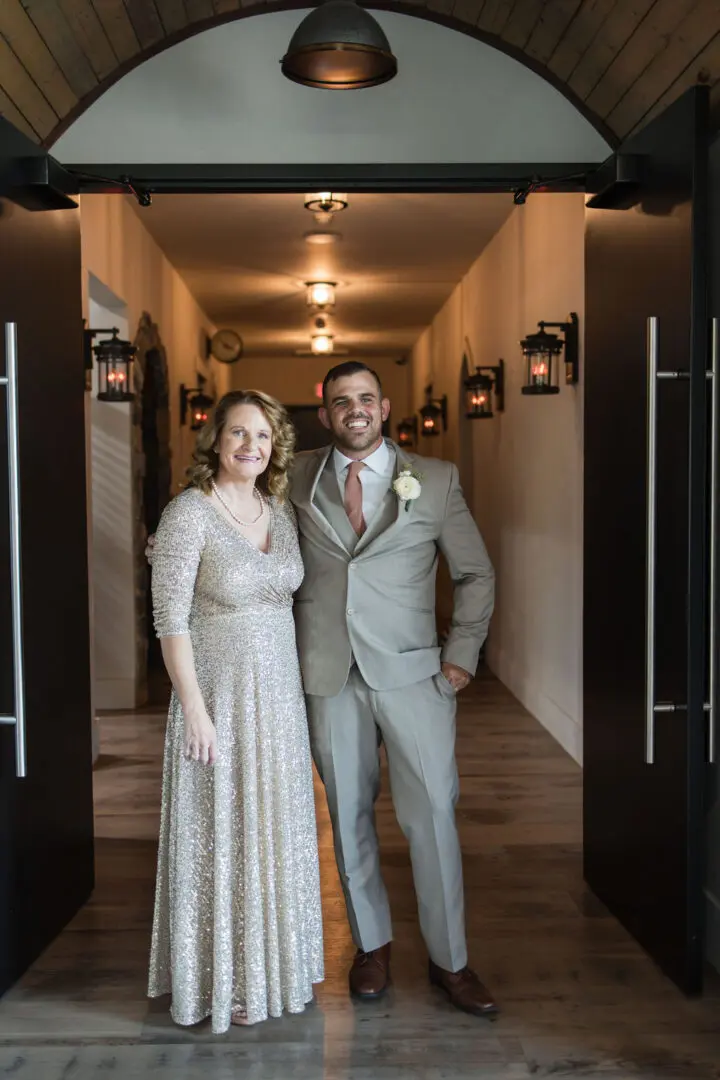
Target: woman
{"points": [[237, 931]]}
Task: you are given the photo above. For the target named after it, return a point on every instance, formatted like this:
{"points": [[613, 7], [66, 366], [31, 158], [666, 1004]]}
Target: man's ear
{"points": [[385, 408], [324, 418]]}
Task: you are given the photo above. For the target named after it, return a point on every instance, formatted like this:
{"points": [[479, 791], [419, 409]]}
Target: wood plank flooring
{"points": [[579, 998]]}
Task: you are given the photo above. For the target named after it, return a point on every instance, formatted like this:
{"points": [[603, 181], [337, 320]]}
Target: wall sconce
{"points": [[198, 402], [479, 390], [407, 432], [320, 294], [114, 359], [433, 412], [542, 349]]}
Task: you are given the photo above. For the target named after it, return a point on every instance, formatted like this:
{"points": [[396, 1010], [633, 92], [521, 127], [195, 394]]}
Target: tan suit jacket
{"points": [[373, 599]]}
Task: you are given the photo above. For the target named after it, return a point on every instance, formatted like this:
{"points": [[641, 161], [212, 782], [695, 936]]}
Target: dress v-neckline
{"points": [[271, 527]]}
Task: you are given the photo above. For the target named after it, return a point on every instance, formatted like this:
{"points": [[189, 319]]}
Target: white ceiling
{"points": [[245, 259]]}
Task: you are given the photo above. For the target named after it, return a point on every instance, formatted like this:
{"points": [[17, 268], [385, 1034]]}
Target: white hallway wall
{"points": [[522, 471], [120, 254]]}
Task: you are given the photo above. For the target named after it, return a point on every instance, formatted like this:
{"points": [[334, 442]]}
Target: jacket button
{"points": [[350, 611]]}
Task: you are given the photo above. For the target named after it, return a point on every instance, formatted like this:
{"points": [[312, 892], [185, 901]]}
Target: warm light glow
{"points": [[479, 399], [429, 423], [326, 202], [116, 376], [321, 294], [318, 390], [540, 371], [322, 343], [322, 238]]}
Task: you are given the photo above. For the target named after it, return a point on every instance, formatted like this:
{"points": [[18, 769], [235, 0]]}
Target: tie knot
{"points": [[355, 468]]}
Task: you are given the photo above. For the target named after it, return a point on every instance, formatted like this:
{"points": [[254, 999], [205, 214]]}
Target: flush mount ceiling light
{"points": [[322, 344], [326, 202], [323, 204], [320, 294], [339, 46]]}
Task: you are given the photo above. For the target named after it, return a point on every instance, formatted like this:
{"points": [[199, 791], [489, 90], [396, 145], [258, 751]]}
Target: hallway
{"points": [[579, 998]]}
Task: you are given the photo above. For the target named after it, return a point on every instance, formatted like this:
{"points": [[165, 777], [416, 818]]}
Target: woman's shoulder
{"points": [[285, 509], [187, 509]]}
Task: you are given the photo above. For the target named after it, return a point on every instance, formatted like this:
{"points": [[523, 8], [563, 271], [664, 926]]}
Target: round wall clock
{"points": [[226, 346]]}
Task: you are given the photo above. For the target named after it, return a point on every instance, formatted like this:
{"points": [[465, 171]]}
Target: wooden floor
{"points": [[578, 997]]}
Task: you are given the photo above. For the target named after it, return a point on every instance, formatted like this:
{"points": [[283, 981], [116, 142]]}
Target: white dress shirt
{"points": [[375, 478]]}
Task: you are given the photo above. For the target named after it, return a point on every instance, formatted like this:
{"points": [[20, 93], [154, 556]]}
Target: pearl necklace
{"points": [[245, 524]]}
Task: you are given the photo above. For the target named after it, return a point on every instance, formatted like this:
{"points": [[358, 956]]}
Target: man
{"points": [[372, 521]]}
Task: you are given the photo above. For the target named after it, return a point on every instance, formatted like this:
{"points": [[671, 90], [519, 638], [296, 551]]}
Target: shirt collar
{"points": [[378, 461]]}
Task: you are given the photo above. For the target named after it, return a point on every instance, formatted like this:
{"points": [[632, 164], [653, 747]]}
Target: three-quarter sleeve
{"points": [[179, 542]]}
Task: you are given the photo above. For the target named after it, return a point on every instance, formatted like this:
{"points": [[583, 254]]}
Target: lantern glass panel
{"points": [[200, 405], [541, 352], [114, 360], [539, 367], [430, 420], [478, 397]]}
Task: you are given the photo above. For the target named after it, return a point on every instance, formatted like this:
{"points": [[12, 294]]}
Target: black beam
{"points": [[229, 178]]}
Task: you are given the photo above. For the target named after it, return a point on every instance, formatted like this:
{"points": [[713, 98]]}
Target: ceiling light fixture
{"points": [[326, 202], [320, 294], [339, 46], [322, 344]]}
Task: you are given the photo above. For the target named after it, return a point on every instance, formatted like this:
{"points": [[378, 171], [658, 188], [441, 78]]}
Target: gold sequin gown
{"points": [[237, 906]]}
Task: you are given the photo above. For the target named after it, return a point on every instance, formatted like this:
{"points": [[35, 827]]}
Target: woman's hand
{"points": [[200, 736], [150, 548]]}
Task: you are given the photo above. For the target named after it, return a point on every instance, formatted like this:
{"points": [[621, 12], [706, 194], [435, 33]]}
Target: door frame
{"points": [[525, 179]]}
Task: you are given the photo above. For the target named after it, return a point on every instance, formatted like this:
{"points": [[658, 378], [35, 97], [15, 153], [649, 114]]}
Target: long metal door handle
{"points": [[9, 381], [651, 537], [714, 376]]}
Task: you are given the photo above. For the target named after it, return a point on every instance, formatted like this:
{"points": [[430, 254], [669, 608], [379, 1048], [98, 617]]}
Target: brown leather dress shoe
{"points": [[465, 990], [370, 973]]}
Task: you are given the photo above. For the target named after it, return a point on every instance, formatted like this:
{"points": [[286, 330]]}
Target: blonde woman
{"points": [[237, 932]]}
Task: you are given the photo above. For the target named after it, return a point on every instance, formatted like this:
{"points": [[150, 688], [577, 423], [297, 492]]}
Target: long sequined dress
{"points": [[237, 906]]}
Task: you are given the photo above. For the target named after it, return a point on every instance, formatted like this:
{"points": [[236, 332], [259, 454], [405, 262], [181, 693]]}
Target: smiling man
{"points": [[373, 521]]}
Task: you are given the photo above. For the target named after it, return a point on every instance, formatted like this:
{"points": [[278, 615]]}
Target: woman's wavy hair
{"points": [[274, 481]]}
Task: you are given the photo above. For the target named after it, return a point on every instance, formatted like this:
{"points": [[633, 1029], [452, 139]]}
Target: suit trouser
{"points": [[417, 724]]}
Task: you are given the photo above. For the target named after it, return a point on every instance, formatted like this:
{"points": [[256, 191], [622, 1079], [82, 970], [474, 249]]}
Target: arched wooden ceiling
{"points": [[621, 62]]}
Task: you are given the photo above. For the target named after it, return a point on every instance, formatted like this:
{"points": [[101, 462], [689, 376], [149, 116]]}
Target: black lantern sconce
{"points": [[542, 351], [479, 389], [407, 432], [433, 413], [198, 403], [114, 359]]}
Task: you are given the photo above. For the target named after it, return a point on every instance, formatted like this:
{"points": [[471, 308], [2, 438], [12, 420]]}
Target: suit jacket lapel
{"points": [[392, 515], [329, 503], [315, 473]]}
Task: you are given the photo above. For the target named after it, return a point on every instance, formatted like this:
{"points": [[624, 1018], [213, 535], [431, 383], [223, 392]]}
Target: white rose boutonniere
{"points": [[407, 487]]}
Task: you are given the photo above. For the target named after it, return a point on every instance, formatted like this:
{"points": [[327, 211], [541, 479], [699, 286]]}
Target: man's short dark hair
{"points": [[350, 367]]}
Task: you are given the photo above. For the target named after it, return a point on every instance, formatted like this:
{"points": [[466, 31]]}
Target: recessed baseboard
{"points": [[563, 728], [115, 694]]}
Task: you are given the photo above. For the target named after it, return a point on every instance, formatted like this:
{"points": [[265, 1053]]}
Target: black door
{"points": [[46, 821], [645, 660]]}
